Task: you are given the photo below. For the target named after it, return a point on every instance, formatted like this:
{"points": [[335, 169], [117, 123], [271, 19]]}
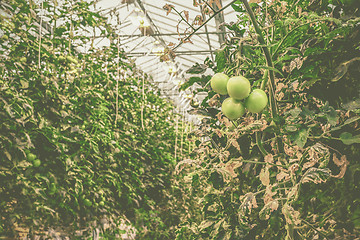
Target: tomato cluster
{"points": [[239, 89]]}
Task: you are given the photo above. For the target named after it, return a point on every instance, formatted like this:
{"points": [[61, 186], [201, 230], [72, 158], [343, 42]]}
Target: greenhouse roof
{"points": [[146, 27]]}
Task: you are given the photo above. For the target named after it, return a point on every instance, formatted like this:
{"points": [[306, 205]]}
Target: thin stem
{"points": [[265, 80], [259, 144], [40, 30], [197, 29], [210, 6], [260, 37], [183, 19]]}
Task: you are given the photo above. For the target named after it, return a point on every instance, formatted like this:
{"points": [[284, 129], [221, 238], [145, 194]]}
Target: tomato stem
{"points": [[271, 83]]}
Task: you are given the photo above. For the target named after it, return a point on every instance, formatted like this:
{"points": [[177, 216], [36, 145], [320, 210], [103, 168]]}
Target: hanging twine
{"points": [[142, 102], [117, 82], [176, 135], [40, 30], [182, 133]]}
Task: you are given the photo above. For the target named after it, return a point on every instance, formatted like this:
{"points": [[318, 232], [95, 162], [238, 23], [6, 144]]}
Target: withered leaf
{"points": [[265, 176], [235, 144], [342, 163], [231, 166], [218, 133], [265, 212], [291, 216], [186, 15], [282, 175], [316, 175], [248, 202], [269, 158], [168, 8], [269, 193]]}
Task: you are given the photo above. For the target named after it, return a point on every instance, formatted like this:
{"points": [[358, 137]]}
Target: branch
{"points": [[183, 18], [260, 37], [197, 29]]}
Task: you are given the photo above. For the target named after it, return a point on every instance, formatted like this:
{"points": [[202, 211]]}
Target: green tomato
{"points": [[87, 202], [219, 82], [30, 157], [101, 203], [36, 163], [232, 109], [238, 87], [256, 101]]}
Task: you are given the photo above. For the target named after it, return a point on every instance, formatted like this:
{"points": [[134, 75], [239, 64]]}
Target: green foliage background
{"points": [[97, 169]]}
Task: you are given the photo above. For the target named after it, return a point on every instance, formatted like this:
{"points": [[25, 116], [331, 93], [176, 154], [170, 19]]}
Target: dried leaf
{"points": [[248, 202], [291, 216], [205, 224], [214, 101], [337, 161], [7, 154], [265, 176], [231, 166], [282, 175], [235, 144], [218, 4], [316, 175], [342, 163], [168, 8], [198, 20], [180, 166], [269, 193], [186, 15], [218, 133], [266, 211], [292, 194], [269, 158]]}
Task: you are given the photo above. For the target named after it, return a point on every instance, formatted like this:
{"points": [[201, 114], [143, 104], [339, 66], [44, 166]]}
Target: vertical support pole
{"points": [[190, 142], [40, 34], [142, 102], [182, 134], [117, 82], [219, 20], [176, 135]]}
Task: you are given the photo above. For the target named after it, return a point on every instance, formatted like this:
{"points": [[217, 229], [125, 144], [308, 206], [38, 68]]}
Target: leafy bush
{"points": [[289, 172], [81, 146]]}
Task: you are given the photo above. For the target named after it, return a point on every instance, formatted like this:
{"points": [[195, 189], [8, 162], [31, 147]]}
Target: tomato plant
{"points": [[288, 171]]}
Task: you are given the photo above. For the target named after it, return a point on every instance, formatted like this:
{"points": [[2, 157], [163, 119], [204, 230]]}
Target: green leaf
{"points": [[220, 60], [272, 69], [302, 137], [348, 138]]}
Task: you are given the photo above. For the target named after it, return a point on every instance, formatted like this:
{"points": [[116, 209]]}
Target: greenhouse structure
{"points": [[192, 119]]}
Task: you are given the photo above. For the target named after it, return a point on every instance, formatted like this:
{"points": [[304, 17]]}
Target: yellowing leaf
{"points": [[265, 176]]}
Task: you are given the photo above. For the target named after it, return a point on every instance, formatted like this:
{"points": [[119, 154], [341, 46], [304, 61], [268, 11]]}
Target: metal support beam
{"points": [[200, 52], [169, 34]]}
